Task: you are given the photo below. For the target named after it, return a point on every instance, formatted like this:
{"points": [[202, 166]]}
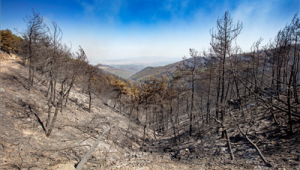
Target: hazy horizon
{"points": [[116, 30]]}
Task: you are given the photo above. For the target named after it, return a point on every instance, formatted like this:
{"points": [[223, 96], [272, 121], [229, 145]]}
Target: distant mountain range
{"points": [[142, 70], [116, 71], [127, 68], [168, 71], [147, 72]]}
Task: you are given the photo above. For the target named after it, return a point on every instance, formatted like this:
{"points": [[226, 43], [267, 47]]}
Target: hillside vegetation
{"points": [[10, 42]]}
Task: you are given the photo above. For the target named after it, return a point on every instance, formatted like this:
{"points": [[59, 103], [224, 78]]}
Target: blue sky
{"points": [[119, 29]]}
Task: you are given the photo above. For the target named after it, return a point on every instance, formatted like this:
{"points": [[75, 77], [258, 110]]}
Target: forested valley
{"points": [[221, 107]]}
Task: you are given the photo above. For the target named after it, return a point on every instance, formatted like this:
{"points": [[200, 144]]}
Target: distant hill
{"points": [[147, 72], [167, 70], [140, 73], [116, 71], [132, 68], [125, 68]]}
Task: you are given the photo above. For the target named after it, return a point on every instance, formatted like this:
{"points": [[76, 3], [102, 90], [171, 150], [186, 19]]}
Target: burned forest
{"points": [[221, 108]]}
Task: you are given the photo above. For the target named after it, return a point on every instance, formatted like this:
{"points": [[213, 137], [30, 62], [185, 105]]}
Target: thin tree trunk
{"points": [[289, 101], [229, 145], [50, 128], [167, 120], [68, 92], [48, 90], [218, 93], [54, 91], [223, 85], [263, 73], [145, 125], [30, 61], [154, 123], [192, 104], [130, 121], [137, 112], [30, 74], [144, 137], [49, 104], [90, 101], [297, 63], [208, 102], [162, 114], [173, 124], [34, 70], [62, 95]]}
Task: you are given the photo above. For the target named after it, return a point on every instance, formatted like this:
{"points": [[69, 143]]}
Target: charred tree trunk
{"points": [[208, 101], [50, 103], [54, 91], [289, 96], [90, 101], [192, 104], [144, 137], [229, 145], [50, 128], [172, 122], [68, 92]]}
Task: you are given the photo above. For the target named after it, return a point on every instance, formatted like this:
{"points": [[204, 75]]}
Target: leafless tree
{"points": [[221, 43], [35, 32]]}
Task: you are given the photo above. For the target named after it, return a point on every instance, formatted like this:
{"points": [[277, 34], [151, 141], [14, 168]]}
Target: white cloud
{"points": [[260, 19]]}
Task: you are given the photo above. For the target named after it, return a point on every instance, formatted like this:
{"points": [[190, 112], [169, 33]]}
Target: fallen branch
{"points": [[70, 147], [89, 153], [249, 140]]}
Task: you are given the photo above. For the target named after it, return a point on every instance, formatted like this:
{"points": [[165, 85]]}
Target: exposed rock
{"points": [[2, 90]]}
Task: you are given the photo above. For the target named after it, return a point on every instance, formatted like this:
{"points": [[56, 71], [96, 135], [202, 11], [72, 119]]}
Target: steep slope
{"points": [[24, 145], [23, 115]]}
